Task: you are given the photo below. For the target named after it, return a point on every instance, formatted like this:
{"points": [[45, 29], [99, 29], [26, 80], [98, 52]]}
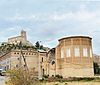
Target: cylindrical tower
{"points": [[23, 35], [74, 57]]}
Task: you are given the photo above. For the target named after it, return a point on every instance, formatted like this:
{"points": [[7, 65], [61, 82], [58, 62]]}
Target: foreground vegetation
{"points": [[21, 77], [72, 81]]}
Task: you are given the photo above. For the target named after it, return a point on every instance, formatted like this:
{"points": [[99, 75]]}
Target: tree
{"points": [[96, 68], [2, 44], [41, 46], [37, 45]]}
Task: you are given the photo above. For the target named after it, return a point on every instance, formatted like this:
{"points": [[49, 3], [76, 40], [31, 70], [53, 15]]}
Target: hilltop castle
{"points": [[22, 38]]}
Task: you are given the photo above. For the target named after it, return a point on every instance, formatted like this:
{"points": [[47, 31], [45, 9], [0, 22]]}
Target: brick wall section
{"points": [[73, 66]]}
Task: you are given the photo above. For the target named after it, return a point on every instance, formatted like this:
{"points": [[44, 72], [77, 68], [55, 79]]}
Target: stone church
{"points": [[72, 57]]}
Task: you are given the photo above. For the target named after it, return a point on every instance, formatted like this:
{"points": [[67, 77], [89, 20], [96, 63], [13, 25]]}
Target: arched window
{"points": [[62, 53], [68, 52], [76, 52], [53, 62], [85, 53], [42, 59]]}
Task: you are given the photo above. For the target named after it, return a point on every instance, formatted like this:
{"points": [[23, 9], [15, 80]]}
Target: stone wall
{"points": [[71, 63]]}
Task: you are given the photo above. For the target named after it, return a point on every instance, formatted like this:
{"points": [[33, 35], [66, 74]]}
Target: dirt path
{"points": [[2, 80]]}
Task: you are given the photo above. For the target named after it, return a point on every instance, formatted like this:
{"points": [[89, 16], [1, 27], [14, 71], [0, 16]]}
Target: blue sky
{"points": [[49, 20]]}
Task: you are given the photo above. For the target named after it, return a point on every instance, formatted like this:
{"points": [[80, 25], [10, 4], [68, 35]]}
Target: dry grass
{"points": [[72, 83]]}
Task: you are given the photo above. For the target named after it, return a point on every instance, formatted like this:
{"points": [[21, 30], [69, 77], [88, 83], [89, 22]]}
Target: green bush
{"points": [[45, 76], [58, 76], [21, 77]]}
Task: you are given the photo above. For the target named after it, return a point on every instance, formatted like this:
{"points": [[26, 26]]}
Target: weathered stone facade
{"points": [[51, 62], [96, 59], [74, 57], [14, 59], [22, 38]]}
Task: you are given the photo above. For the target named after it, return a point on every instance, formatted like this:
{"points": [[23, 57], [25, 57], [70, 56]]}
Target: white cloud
{"points": [[22, 17], [82, 15]]}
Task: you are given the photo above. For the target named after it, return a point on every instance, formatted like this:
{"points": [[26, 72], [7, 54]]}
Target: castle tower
{"points": [[74, 57], [23, 35]]}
